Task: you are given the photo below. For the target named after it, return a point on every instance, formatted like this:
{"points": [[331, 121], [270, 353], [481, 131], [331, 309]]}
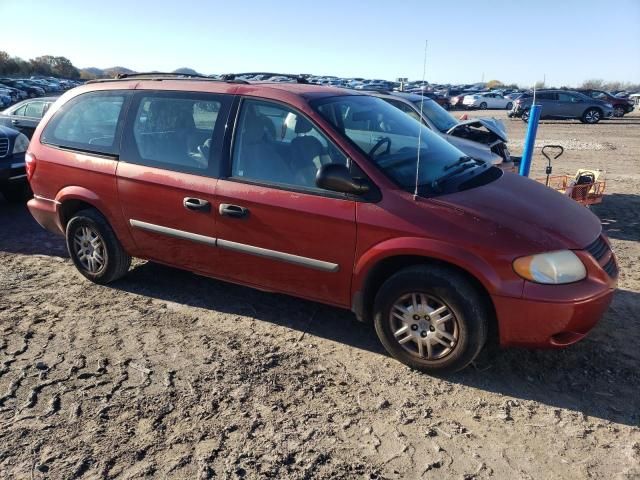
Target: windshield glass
{"points": [[389, 138], [442, 119]]}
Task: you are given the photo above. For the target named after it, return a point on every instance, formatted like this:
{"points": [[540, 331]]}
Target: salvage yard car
{"points": [[301, 189], [562, 105], [480, 138], [487, 100], [25, 116]]}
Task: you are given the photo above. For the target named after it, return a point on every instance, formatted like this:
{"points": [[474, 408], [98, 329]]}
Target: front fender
{"points": [[496, 275]]}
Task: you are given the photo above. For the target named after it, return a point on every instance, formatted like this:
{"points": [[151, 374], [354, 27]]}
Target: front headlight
{"points": [[22, 142], [608, 105], [562, 266]]}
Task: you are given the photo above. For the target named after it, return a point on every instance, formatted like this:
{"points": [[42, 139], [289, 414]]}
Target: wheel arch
{"points": [[72, 199], [370, 277]]}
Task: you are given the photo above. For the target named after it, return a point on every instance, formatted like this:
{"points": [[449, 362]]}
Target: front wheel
{"points": [[431, 318], [509, 106], [483, 106], [94, 248], [592, 115]]}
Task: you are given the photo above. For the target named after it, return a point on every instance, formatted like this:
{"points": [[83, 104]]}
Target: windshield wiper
{"points": [[461, 161], [463, 164]]}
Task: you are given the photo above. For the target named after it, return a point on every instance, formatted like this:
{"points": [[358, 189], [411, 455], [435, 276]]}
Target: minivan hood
{"points": [[491, 124], [531, 211]]}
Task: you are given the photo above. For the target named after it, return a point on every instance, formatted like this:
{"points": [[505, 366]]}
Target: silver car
{"points": [[481, 138], [563, 104]]}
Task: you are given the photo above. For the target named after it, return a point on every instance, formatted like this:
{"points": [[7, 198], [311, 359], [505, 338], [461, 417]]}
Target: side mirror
{"points": [[337, 178]]}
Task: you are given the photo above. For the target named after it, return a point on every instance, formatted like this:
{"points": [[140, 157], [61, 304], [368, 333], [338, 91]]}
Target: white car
{"points": [[487, 100]]}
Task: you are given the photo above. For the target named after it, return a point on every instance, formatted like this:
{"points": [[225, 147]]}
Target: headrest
{"points": [[303, 125]]}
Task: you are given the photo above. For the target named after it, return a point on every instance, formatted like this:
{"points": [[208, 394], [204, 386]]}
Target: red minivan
{"points": [[325, 194]]}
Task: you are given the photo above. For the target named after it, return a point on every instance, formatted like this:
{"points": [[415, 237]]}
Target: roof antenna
{"points": [[424, 73]]}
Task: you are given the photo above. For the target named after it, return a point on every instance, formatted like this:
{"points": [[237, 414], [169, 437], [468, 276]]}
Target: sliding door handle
{"points": [[234, 211]]}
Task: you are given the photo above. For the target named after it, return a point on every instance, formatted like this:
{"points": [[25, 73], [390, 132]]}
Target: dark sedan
{"points": [[13, 177]]}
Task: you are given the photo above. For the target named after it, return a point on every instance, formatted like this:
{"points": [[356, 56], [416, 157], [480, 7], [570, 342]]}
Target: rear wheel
{"points": [[618, 111], [431, 318], [509, 106], [483, 106], [592, 115], [95, 249]]}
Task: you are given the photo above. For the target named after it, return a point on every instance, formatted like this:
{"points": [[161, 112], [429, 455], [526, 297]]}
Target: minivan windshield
{"points": [[440, 118], [390, 139]]}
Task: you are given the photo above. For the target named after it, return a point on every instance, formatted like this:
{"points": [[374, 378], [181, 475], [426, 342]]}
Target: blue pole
{"points": [[530, 140]]}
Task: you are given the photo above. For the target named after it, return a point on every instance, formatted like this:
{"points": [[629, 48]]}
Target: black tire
{"points": [[116, 261], [591, 116], [483, 106], [447, 106], [509, 106], [525, 116], [16, 193], [461, 299], [619, 111]]}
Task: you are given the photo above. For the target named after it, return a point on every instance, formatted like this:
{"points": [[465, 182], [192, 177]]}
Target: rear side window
{"points": [[88, 122], [546, 96], [176, 130], [34, 110]]}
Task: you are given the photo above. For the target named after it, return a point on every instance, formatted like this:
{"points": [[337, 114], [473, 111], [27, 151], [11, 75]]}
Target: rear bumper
{"points": [[45, 212]]}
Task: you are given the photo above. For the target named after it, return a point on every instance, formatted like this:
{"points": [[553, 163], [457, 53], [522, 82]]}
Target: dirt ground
{"points": [[170, 375]]}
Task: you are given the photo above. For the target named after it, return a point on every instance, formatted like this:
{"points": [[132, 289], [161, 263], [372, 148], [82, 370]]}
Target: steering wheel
{"points": [[379, 143]]}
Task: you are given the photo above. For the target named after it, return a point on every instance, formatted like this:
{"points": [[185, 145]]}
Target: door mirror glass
{"points": [[337, 178]]}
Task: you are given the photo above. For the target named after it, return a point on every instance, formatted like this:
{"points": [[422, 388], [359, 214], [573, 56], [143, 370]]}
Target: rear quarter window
{"points": [[88, 122]]}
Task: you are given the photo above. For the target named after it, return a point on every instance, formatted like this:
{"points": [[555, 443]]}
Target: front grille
{"points": [[611, 268], [4, 147], [599, 249]]}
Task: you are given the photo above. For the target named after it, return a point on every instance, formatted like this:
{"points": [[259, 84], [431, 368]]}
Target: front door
{"points": [[276, 230], [166, 175]]}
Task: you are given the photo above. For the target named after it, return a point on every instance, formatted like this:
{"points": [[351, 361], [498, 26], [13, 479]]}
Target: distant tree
{"points": [[494, 84], [186, 71], [593, 83], [56, 66], [539, 84]]}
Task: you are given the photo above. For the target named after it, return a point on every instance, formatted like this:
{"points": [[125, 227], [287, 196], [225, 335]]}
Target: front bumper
{"points": [[555, 316], [12, 169]]}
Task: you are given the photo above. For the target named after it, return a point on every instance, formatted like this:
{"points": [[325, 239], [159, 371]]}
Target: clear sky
{"points": [[566, 40]]}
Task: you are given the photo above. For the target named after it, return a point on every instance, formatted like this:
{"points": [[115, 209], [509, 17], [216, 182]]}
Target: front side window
{"points": [[19, 112], [88, 122], [174, 132], [391, 140], [276, 144]]}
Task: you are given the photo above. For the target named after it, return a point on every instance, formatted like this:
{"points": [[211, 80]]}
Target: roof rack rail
{"points": [[299, 78], [165, 76]]}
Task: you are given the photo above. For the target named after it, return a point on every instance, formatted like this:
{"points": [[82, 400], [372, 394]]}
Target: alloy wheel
{"points": [[424, 326], [592, 116], [90, 249]]}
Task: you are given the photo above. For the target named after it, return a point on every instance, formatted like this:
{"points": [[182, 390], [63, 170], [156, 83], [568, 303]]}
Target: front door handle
{"points": [[196, 204], [234, 211], [15, 122]]}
